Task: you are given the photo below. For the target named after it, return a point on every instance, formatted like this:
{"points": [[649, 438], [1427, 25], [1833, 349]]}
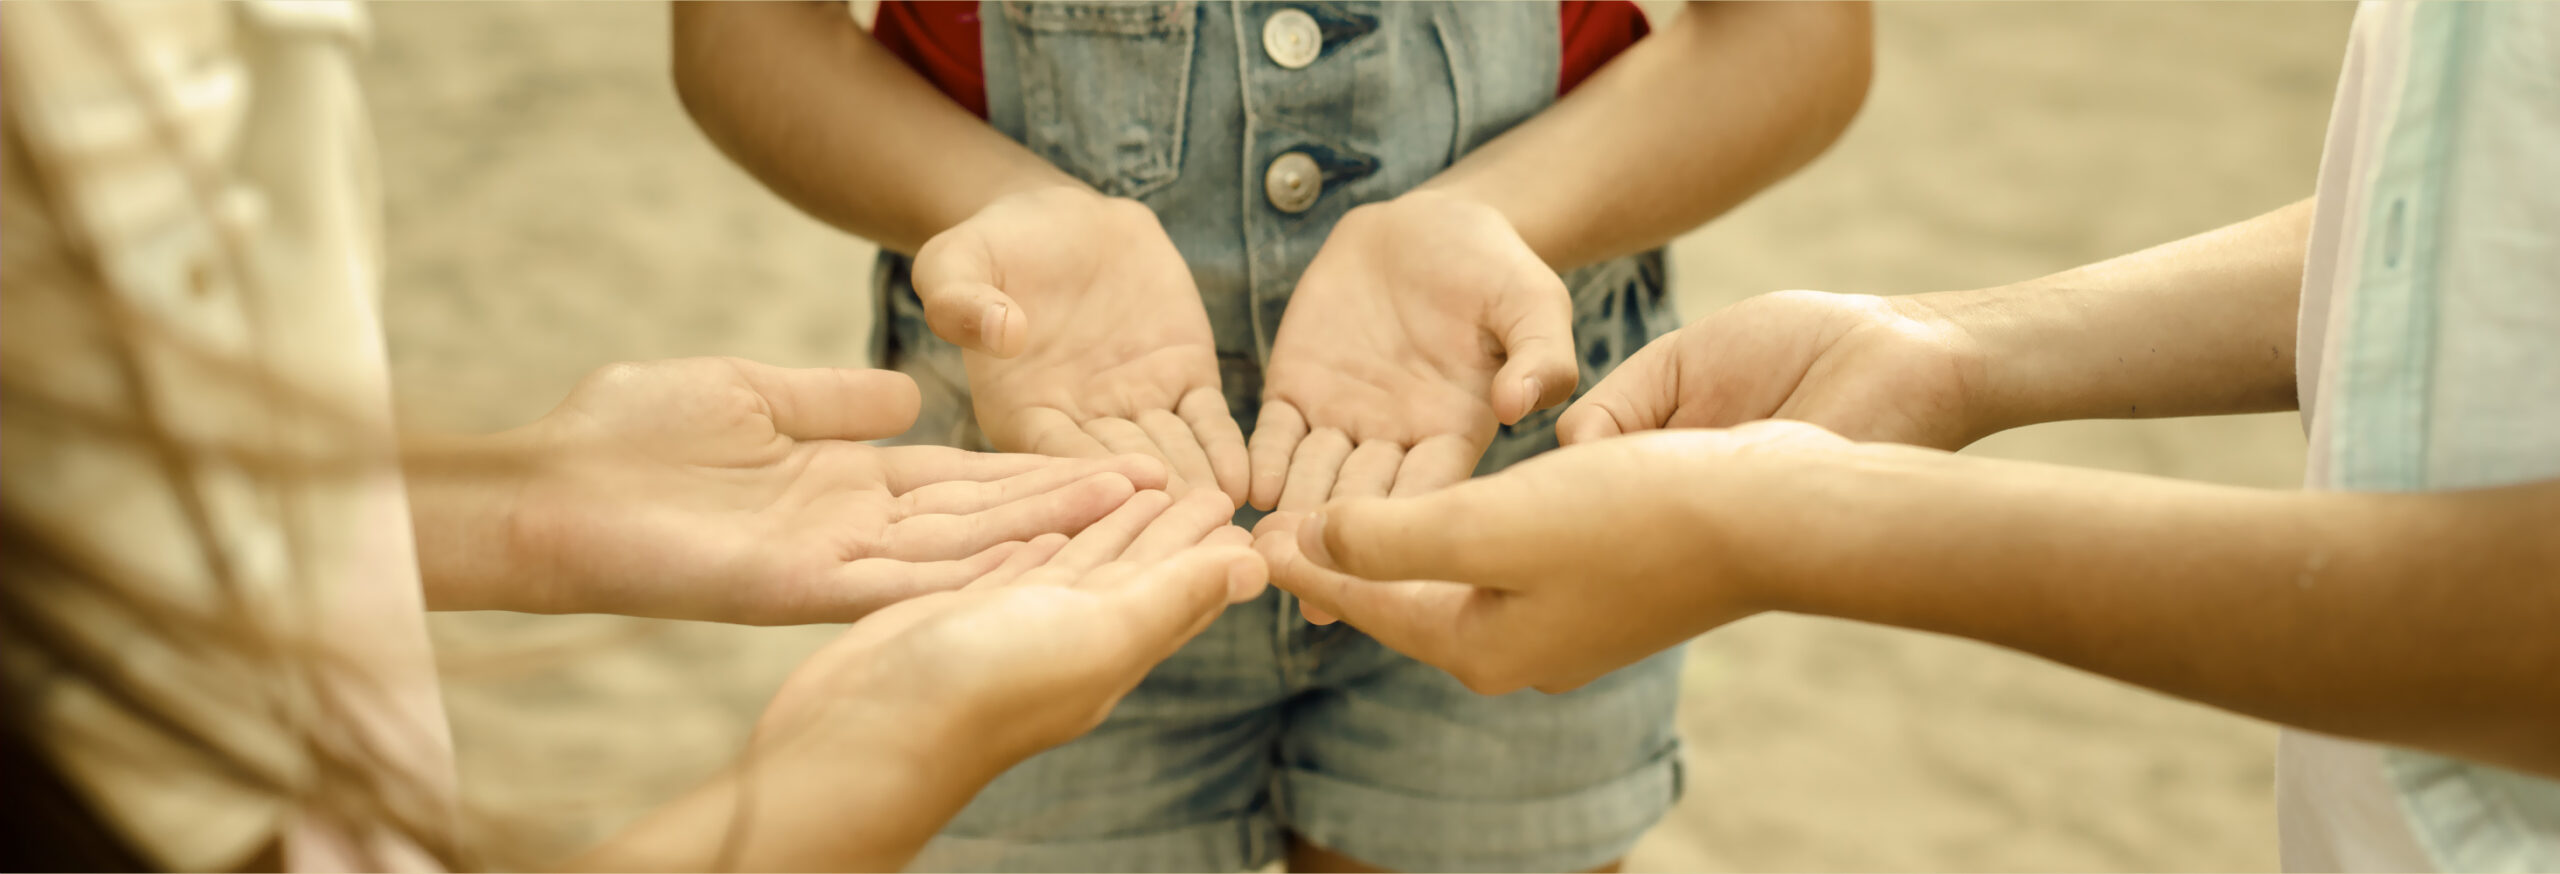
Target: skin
{"points": [[723, 489], [910, 713], [2331, 611], [726, 490], [1081, 342]]}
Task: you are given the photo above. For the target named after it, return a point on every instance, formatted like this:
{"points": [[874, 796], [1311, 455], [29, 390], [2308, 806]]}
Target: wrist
{"points": [[1970, 341], [462, 494]]}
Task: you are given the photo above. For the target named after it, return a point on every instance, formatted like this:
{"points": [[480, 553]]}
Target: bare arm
{"points": [[2198, 326], [2418, 620], [2201, 326], [801, 97], [1681, 127]]}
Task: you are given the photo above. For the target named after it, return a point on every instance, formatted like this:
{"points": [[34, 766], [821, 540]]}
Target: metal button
{"points": [[1290, 37], [1293, 182]]}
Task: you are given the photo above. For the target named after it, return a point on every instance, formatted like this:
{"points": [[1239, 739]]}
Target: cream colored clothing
{"points": [[2430, 360], [215, 158]]}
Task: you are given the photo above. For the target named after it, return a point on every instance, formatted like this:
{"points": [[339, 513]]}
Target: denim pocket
{"points": [[1105, 88]]}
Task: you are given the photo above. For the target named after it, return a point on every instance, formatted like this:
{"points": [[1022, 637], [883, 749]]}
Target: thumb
{"points": [[1640, 395], [1538, 369], [832, 403], [956, 278], [1460, 533]]}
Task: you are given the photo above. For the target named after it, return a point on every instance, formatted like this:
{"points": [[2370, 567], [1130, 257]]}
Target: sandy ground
{"points": [[552, 210]]}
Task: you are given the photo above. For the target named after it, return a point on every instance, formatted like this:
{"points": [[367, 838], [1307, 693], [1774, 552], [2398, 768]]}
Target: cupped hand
{"points": [[1559, 569], [1039, 650], [1085, 336], [1422, 324], [1870, 368], [723, 489]]}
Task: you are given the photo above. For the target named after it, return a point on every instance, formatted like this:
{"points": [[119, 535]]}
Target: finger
{"points": [[1538, 369], [1417, 618], [1169, 601], [955, 277], [963, 496], [1122, 435], [1023, 560], [1641, 394], [1073, 507], [832, 403], [1434, 464], [1370, 470], [1182, 526], [1173, 439], [909, 468], [1275, 440], [1473, 533], [1206, 411], [1313, 468], [1104, 541], [1050, 432], [861, 586]]}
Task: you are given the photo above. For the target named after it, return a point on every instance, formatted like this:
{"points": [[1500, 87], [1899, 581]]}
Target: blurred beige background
{"points": [[551, 210]]}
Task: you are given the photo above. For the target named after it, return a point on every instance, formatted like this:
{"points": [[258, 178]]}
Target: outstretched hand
{"points": [[1423, 324], [723, 489], [1556, 570], [1085, 336], [1869, 368]]}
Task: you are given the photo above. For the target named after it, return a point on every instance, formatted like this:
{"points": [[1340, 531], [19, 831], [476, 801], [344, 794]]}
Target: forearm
{"points": [[809, 104], [1684, 125], [865, 799], [2200, 326], [2422, 620]]}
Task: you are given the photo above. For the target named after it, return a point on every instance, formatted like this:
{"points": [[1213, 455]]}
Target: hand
{"points": [[727, 490], [1085, 335], [1038, 651], [1422, 323], [1870, 368], [910, 712], [1561, 568]]}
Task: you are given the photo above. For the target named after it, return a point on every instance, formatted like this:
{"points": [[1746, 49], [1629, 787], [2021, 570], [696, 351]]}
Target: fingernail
{"points": [[1535, 391], [991, 327], [1311, 542]]}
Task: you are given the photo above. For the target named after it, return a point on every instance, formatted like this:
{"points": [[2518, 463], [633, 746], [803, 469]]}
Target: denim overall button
{"points": [[1293, 182], [1290, 37]]}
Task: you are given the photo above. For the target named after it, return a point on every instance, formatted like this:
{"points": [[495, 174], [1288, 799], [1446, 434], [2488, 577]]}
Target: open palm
{"points": [[1422, 325], [728, 490], [1085, 335]]}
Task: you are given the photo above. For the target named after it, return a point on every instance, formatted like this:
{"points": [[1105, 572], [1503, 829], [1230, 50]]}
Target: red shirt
{"points": [[940, 40]]}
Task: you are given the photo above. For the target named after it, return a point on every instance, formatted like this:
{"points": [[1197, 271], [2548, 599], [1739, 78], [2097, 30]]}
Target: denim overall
{"points": [[1266, 724]]}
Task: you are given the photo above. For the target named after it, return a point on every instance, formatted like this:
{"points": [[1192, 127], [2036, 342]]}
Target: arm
{"points": [[801, 97], [2199, 326], [1086, 332], [1426, 321], [885, 733], [1684, 125], [2418, 620], [727, 490], [866, 797]]}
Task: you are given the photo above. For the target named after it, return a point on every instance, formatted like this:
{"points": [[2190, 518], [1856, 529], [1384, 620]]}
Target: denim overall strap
{"points": [[1186, 106]]}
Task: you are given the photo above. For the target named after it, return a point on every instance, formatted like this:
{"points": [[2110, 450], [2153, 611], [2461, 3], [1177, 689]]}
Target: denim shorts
{"points": [[1266, 725]]}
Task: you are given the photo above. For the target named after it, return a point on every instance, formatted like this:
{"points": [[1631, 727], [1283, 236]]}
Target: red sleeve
{"points": [[940, 41], [1594, 31]]}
